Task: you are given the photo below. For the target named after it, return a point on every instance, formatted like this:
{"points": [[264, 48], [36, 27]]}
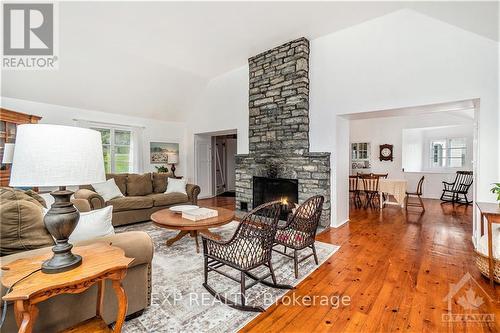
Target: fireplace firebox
{"points": [[269, 189]]}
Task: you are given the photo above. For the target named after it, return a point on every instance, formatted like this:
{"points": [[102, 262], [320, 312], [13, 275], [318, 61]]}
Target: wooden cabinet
{"points": [[8, 127]]}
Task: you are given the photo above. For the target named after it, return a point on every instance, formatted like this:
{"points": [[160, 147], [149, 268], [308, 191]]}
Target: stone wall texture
{"points": [[279, 126]]}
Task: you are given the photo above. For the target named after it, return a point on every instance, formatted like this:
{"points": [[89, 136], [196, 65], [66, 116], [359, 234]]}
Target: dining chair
{"points": [[354, 190], [299, 232], [370, 184], [418, 194], [250, 247]]}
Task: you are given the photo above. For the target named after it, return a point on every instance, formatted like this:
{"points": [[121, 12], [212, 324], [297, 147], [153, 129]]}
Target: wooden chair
{"points": [[418, 194], [250, 247], [300, 231], [460, 186], [370, 184], [353, 188]]}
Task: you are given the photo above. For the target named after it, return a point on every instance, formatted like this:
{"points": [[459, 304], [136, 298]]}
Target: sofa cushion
{"points": [[161, 199], [22, 226], [120, 180], [130, 203], [160, 181], [139, 184]]}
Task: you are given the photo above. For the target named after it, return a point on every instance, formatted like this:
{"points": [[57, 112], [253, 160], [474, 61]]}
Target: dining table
{"points": [[391, 187], [395, 188]]}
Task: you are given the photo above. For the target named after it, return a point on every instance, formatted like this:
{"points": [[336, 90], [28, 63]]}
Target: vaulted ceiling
{"points": [[152, 59]]}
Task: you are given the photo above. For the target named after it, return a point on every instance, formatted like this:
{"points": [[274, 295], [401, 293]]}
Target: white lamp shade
{"points": [[8, 153], [53, 155], [173, 158]]}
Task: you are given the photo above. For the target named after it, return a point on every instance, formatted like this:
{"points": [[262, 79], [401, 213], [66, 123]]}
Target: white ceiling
{"points": [[153, 59]]}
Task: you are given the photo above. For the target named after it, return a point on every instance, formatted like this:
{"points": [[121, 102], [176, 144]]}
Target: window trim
{"points": [[445, 158], [112, 144]]}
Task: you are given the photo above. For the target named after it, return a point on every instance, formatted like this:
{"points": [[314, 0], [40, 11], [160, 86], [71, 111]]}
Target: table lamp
{"points": [[8, 153], [53, 155], [173, 159]]}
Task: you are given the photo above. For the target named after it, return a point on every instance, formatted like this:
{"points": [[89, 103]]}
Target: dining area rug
{"points": [[180, 303]]}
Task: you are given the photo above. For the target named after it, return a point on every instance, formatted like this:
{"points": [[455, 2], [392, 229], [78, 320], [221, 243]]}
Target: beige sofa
{"points": [[143, 195], [23, 235]]}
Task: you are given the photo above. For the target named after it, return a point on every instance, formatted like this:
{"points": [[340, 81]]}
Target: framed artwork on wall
{"points": [[159, 151]]}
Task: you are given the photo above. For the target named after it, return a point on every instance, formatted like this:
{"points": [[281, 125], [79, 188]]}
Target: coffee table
{"points": [[165, 218]]}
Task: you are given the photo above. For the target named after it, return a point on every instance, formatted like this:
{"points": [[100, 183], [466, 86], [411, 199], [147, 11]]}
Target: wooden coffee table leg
{"points": [[194, 234], [210, 234], [181, 234]]}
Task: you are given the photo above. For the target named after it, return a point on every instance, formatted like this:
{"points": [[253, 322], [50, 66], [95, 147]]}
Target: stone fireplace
{"points": [[279, 127]]}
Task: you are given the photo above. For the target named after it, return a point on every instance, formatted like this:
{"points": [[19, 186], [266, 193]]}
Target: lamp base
{"points": [[173, 170], [61, 263], [60, 221]]}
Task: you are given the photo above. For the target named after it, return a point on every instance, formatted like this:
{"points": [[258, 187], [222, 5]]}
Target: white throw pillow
{"points": [[176, 186], [93, 224], [108, 190]]}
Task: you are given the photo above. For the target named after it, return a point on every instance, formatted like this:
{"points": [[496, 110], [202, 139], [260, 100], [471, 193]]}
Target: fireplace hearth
{"points": [[267, 189]]}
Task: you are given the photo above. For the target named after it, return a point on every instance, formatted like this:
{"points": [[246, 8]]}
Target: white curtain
{"points": [[136, 150]]}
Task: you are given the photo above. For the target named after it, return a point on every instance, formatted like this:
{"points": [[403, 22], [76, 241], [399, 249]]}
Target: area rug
{"points": [[181, 304]]}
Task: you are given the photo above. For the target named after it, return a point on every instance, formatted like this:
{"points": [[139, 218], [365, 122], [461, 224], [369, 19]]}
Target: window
{"points": [[448, 153], [116, 149]]}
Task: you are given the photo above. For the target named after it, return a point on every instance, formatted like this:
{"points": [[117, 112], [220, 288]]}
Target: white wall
{"points": [[389, 130], [399, 60], [154, 130], [222, 107]]}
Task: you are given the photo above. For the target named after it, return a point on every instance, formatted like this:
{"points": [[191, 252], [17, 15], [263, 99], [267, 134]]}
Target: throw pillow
{"points": [[120, 180], [22, 226], [108, 190], [176, 186], [160, 181], [139, 185], [93, 224]]}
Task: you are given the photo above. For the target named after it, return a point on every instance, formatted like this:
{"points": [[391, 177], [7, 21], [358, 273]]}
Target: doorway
{"points": [[433, 141], [215, 163]]}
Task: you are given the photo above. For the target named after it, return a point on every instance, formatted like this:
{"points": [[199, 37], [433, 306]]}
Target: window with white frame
{"points": [[116, 145], [448, 153]]}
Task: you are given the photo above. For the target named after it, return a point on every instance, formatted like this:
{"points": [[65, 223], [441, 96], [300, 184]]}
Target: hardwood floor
{"points": [[397, 269]]}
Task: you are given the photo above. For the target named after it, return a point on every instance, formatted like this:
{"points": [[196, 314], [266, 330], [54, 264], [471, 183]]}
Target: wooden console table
{"points": [[491, 213], [101, 262]]}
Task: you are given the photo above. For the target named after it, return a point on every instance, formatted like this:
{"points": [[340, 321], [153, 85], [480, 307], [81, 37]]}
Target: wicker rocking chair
{"points": [[250, 247], [300, 231]]}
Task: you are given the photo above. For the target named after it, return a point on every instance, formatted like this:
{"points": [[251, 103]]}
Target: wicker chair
{"points": [[460, 186], [249, 247], [300, 231]]}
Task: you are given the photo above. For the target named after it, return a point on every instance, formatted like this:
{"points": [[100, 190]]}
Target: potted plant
{"points": [[161, 169], [496, 190]]}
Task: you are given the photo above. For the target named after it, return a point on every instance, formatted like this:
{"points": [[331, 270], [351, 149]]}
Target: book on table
{"points": [[199, 214]]}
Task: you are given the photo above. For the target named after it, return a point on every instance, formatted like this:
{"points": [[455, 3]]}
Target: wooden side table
{"points": [[101, 262], [491, 213]]}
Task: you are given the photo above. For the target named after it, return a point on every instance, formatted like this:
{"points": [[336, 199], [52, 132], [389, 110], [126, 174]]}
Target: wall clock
{"points": [[386, 152]]}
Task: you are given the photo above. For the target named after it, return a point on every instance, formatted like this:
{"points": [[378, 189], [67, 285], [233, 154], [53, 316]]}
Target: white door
{"points": [[203, 164]]}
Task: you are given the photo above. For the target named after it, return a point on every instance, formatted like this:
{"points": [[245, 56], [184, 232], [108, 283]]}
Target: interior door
{"points": [[203, 165]]}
